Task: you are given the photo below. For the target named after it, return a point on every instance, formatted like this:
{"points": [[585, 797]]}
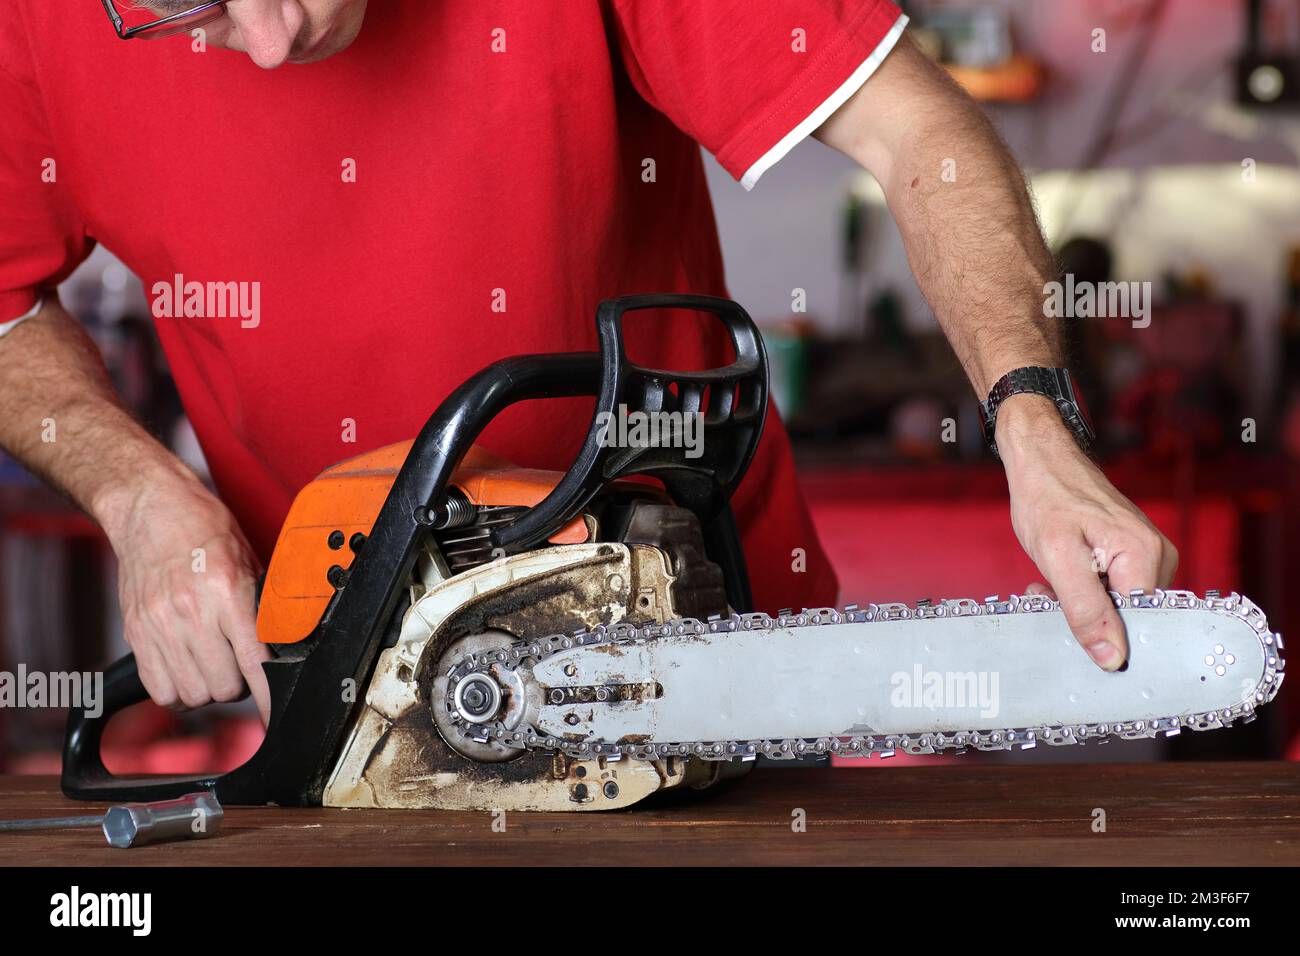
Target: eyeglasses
{"points": [[193, 15]]}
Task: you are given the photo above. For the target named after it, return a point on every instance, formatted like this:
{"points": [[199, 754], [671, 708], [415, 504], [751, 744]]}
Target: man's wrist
{"points": [[1027, 421], [118, 502]]}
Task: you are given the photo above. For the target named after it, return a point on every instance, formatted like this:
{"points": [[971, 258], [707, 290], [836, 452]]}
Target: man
{"points": [[458, 181]]}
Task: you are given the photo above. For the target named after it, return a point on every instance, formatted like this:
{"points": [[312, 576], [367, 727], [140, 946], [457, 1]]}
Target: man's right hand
{"points": [[186, 574], [186, 579]]}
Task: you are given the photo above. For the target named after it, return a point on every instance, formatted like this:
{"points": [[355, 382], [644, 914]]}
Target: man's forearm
{"points": [[977, 252], [975, 247], [63, 419], [965, 215]]}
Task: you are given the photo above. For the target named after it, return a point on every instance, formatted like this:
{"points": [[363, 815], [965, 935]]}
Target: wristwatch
{"points": [[1057, 384]]}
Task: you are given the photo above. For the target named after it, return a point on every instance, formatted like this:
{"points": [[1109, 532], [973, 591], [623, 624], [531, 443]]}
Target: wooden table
{"points": [[1156, 814]]}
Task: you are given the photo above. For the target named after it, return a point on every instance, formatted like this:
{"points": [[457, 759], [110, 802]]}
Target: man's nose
{"points": [[267, 28]]}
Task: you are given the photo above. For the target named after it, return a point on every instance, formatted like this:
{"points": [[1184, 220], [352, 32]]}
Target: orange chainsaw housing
{"points": [[347, 498]]}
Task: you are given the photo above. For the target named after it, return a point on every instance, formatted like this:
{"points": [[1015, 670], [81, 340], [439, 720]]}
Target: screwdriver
{"points": [[193, 816]]}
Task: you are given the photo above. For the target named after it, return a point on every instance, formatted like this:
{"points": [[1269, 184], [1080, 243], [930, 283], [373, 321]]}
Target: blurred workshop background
{"points": [[1171, 156]]}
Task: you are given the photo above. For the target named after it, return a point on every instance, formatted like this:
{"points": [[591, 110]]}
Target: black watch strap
{"points": [[1054, 383]]}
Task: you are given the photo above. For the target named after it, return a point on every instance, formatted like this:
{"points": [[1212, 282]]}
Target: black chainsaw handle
{"points": [[84, 773], [82, 762], [730, 403]]}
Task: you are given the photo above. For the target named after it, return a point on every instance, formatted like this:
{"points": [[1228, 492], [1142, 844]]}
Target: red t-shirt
{"points": [[465, 182]]}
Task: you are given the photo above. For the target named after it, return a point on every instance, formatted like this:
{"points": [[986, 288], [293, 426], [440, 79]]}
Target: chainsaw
{"points": [[452, 631]]}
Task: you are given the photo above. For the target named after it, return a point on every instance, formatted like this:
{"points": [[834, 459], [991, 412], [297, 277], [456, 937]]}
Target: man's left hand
{"points": [[1082, 533]]}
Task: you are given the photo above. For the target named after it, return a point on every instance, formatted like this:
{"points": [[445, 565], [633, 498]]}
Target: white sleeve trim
{"points": [[7, 327], [818, 116]]}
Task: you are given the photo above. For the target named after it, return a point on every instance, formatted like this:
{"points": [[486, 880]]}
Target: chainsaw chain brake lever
{"points": [[730, 402], [309, 717], [729, 407]]}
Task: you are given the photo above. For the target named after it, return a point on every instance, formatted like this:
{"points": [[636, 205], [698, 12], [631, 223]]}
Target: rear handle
{"points": [[84, 774]]}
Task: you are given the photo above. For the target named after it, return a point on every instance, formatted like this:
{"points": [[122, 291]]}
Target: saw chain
{"points": [[512, 655]]}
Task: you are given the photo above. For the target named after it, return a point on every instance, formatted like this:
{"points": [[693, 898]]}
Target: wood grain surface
{"points": [[1156, 814]]}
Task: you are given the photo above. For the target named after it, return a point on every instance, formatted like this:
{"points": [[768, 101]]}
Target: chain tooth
{"points": [[957, 742]]}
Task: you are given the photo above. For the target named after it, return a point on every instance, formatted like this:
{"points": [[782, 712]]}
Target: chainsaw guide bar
{"points": [[1212, 659]]}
